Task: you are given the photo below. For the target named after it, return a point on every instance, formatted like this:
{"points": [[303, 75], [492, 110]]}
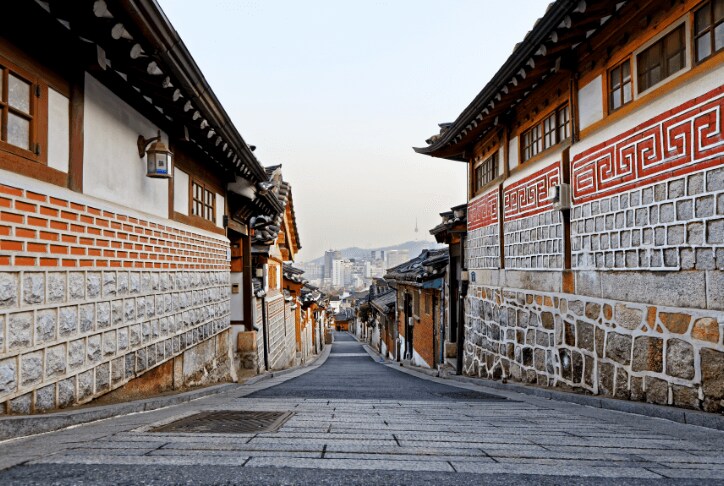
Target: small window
{"points": [[709, 29], [532, 143], [17, 104], [619, 85], [202, 204], [662, 59], [555, 128], [486, 171]]}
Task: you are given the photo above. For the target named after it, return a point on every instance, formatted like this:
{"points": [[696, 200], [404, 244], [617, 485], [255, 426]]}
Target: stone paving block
{"points": [[350, 464], [549, 470], [198, 460], [689, 473]]}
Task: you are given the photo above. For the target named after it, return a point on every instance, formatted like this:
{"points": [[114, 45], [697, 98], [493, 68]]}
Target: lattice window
{"points": [[203, 201], [620, 89], [709, 29], [486, 171], [662, 59]]}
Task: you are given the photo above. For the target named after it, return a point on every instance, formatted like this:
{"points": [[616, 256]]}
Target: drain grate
{"points": [[227, 422], [470, 395]]}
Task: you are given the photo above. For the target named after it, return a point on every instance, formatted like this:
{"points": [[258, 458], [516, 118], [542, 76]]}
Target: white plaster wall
{"points": [[590, 102], [513, 152], [180, 191], [58, 131], [653, 108], [112, 169], [220, 210], [530, 168]]}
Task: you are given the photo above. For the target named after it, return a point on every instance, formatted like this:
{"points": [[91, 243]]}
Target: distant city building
{"points": [[329, 257], [396, 257]]}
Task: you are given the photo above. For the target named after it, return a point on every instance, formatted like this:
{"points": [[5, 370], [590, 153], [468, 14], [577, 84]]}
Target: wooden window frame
{"points": [[549, 131], [684, 24], [610, 88], [37, 116], [206, 190], [710, 29], [485, 171]]}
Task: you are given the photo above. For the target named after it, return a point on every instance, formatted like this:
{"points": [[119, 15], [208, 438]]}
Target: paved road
{"points": [[358, 421]]}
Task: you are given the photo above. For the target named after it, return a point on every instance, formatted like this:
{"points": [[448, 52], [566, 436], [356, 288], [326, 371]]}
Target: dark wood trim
{"points": [[198, 223], [566, 213], [75, 152], [29, 168], [501, 227]]}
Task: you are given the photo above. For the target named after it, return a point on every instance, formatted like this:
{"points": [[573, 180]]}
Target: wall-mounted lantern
{"points": [[159, 159]]}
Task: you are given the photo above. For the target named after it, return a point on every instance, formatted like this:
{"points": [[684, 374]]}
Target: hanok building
{"points": [[115, 218], [595, 200], [275, 241], [314, 307], [381, 318], [452, 231], [419, 286]]}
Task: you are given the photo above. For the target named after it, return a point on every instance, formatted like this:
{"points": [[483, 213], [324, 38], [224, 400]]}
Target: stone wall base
{"points": [[205, 364], [626, 350]]}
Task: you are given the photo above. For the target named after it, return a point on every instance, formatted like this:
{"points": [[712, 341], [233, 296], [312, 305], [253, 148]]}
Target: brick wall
{"points": [[92, 296]]}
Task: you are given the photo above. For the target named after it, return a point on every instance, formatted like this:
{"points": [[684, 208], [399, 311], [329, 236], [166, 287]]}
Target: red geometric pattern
{"points": [[685, 139], [529, 196], [483, 211]]}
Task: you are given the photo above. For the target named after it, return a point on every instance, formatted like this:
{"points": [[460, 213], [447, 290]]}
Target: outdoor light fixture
{"points": [[159, 159]]}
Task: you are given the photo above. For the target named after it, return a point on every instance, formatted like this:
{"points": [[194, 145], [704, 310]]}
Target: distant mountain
{"points": [[413, 247]]}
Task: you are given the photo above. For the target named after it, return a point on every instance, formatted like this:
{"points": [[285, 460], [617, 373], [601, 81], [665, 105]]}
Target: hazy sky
{"points": [[339, 92]]}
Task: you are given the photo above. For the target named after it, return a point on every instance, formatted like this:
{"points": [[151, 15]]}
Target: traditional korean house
{"points": [[118, 167], [452, 231], [276, 241], [382, 318], [314, 315], [343, 319], [419, 286], [596, 171]]}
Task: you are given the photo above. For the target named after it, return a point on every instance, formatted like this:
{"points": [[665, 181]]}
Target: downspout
{"points": [[265, 325]]}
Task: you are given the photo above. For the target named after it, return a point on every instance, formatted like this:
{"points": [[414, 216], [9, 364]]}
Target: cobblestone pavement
{"points": [[358, 421]]}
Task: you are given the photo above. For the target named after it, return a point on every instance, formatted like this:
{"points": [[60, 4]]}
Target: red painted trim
{"points": [[529, 196], [483, 210], [685, 139]]}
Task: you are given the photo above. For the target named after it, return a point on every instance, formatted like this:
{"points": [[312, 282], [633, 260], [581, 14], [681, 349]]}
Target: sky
{"points": [[339, 92]]}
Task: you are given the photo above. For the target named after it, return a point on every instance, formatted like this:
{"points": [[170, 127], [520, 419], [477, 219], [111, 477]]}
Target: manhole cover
{"points": [[227, 422], [470, 395]]}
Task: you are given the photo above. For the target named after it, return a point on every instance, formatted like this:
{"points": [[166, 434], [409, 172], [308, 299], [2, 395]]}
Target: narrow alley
{"points": [[350, 412]]}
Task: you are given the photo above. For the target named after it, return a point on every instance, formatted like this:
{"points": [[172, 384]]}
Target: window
{"points": [[532, 143], [709, 29], [416, 303], [662, 59], [486, 171], [555, 128], [202, 202], [619, 85], [17, 103]]}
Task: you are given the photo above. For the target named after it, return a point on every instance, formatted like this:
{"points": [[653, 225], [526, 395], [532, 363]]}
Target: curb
{"points": [[680, 415], [13, 427]]}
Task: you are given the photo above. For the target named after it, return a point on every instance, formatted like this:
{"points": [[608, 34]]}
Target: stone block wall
{"points": [[282, 338], [640, 313], [482, 246], [659, 354], [533, 232], [93, 296]]}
